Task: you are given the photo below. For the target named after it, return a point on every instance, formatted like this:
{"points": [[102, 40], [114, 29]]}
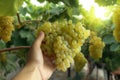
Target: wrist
{"points": [[39, 68], [36, 67], [29, 72]]}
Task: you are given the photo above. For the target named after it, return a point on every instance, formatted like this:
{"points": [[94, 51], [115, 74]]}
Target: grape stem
{"points": [[15, 48], [25, 22], [19, 20], [28, 21]]}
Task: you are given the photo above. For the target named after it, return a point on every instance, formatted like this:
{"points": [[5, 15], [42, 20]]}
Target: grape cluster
{"points": [[116, 21], [80, 61], [6, 28], [96, 46], [63, 40]]}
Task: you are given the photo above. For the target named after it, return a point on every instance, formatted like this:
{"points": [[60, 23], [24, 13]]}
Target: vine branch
{"points": [[15, 48]]}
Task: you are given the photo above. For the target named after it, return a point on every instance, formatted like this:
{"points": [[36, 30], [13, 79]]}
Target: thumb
{"points": [[39, 39]]}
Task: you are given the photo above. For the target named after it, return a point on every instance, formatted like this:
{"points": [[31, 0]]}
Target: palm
{"points": [[45, 63]]}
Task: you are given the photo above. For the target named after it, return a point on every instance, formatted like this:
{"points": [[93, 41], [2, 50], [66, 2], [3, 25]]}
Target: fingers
{"points": [[39, 39]]}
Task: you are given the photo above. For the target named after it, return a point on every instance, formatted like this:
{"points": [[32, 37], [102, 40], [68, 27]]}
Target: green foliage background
{"points": [[32, 16]]}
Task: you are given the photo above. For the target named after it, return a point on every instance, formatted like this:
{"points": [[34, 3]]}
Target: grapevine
{"points": [[63, 40]]}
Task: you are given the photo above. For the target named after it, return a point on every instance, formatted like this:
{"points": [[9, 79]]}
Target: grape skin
{"points": [[63, 40]]}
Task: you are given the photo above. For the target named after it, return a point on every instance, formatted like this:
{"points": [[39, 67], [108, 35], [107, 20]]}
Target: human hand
{"points": [[37, 58]]}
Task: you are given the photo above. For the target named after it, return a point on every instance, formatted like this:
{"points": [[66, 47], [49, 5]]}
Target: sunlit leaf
{"points": [[9, 7], [118, 1], [106, 2]]}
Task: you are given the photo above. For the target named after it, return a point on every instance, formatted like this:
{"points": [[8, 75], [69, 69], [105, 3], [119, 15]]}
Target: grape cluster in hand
{"points": [[63, 40]]}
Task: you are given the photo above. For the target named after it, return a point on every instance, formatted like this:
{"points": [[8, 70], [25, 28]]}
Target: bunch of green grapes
{"points": [[63, 40], [6, 28], [116, 21], [96, 46], [80, 61]]}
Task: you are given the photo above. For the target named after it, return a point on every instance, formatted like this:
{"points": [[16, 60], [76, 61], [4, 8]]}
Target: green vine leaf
{"points": [[114, 47], [106, 2], [109, 39], [69, 3], [2, 44], [41, 0], [27, 35], [9, 7], [118, 1]]}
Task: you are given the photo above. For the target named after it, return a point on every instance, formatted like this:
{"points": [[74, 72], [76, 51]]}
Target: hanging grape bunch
{"points": [[96, 46], [116, 21], [6, 28], [80, 61], [63, 40]]}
